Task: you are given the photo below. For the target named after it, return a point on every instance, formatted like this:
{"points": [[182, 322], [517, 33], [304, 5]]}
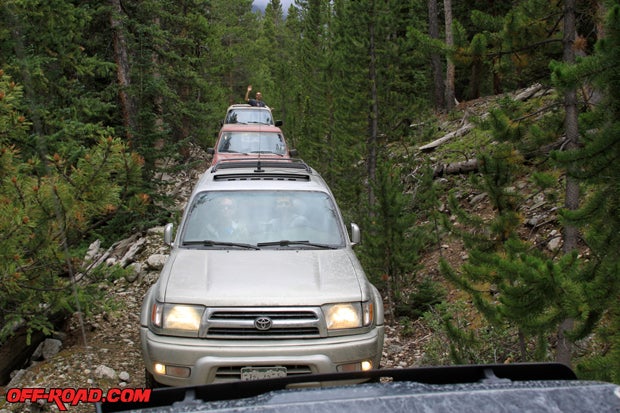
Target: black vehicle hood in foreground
{"points": [[486, 388]]}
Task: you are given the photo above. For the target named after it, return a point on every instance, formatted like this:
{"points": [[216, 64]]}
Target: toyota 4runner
{"points": [[261, 282]]}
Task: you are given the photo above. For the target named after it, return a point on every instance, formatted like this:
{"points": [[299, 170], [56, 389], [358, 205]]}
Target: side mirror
{"points": [[293, 153], [210, 151], [278, 123], [356, 236], [168, 238]]}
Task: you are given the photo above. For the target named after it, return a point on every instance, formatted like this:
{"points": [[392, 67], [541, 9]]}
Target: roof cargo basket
{"points": [[260, 163]]}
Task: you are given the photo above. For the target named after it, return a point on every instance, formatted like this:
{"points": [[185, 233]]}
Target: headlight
{"points": [[178, 317], [348, 315]]}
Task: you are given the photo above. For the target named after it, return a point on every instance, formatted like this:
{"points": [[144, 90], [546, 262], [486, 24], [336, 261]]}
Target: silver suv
{"points": [[261, 282]]}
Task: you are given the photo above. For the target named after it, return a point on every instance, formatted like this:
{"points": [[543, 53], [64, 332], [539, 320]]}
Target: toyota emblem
{"points": [[263, 323]]}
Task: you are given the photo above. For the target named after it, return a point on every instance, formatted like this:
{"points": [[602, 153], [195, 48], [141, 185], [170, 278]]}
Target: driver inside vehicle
{"points": [[226, 224]]}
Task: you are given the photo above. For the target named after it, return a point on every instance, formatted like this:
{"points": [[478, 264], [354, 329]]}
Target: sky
{"points": [[261, 4]]}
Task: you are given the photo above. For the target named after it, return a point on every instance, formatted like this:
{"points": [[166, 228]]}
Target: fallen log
{"points": [[429, 147], [470, 165], [527, 93]]}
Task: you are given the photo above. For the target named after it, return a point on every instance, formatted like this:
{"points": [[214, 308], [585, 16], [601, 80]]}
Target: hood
{"points": [[262, 278]]}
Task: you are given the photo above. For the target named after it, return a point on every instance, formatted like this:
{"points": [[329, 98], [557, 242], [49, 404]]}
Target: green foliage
{"points": [[596, 165], [13, 124], [512, 283], [46, 209], [470, 339], [65, 80], [393, 242], [426, 294]]}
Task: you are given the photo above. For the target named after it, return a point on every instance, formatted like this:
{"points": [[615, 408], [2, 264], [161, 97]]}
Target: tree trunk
{"points": [[373, 114], [450, 69], [121, 58], [436, 70], [571, 234]]}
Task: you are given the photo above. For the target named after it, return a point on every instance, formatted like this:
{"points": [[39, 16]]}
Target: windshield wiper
{"points": [[287, 243], [269, 152], [211, 243]]}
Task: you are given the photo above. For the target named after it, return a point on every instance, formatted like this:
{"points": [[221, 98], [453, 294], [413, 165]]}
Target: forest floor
{"points": [[103, 350]]}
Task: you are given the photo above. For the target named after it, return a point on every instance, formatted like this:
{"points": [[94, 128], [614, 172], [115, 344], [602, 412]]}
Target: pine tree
{"points": [[48, 207], [393, 240], [514, 284], [596, 165], [65, 76]]}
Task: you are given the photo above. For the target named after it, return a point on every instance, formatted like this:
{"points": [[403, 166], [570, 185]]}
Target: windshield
{"points": [[252, 142], [262, 116], [272, 219]]}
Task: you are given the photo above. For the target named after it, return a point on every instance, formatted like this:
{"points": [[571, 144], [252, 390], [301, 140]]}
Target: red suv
{"points": [[242, 141]]}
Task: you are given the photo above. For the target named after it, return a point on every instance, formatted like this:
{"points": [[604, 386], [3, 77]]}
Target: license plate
{"points": [[258, 373]]}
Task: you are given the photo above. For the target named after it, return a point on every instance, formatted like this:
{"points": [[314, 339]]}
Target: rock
{"points": [[478, 198], [554, 244], [533, 222], [105, 372], [156, 261], [136, 271], [93, 251], [47, 349], [20, 376], [124, 376], [155, 231]]}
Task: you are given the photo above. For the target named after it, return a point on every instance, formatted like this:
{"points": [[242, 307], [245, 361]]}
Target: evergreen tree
{"points": [[393, 244], [66, 77], [48, 207], [513, 283], [177, 71], [595, 164]]}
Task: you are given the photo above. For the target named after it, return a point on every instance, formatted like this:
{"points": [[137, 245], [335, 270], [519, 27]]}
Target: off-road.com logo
{"points": [[67, 396]]}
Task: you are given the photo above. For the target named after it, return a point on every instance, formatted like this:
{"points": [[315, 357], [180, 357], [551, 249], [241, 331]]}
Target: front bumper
{"points": [[211, 361]]}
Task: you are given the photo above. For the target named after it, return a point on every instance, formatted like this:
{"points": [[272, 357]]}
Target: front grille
{"points": [[287, 323], [272, 333]]}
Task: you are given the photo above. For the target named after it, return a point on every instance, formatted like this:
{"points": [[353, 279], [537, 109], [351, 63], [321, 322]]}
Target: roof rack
{"points": [[260, 163]]}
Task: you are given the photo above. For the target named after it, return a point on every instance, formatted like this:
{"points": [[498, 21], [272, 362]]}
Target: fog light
{"points": [[159, 368], [175, 371], [349, 367], [178, 371], [366, 365]]}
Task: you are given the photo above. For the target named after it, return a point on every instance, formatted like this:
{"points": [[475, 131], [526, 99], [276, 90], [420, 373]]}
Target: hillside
{"points": [[111, 356]]}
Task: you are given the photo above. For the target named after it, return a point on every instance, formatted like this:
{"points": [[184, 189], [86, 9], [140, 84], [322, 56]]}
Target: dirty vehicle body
{"points": [[241, 140], [247, 114], [262, 281], [527, 387]]}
